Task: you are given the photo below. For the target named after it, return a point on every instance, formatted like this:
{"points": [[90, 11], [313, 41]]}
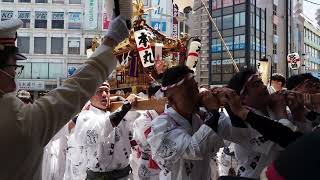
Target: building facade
{"points": [[312, 48], [243, 27], [54, 37]]}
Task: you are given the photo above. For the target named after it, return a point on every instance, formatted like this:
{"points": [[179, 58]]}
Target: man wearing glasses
{"points": [[26, 129]]}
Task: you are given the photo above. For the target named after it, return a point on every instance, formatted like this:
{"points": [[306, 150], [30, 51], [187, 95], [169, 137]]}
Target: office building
{"points": [[243, 27], [54, 37]]}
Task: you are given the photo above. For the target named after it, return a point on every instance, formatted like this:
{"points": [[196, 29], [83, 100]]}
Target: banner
{"points": [[74, 20], [175, 22], [6, 15], [105, 19], [144, 48], [31, 85], [91, 14]]}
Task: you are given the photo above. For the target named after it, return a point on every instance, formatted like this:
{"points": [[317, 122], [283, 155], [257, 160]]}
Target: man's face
{"points": [[277, 85], [186, 96], [102, 98], [309, 87], [256, 94], [7, 76]]}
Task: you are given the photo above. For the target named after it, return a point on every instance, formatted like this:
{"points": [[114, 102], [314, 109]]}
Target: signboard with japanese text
{"points": [[74, 20], [91, 15], [175, 23], [144, 48], [31, 85], [294, 61], [159, 26]]}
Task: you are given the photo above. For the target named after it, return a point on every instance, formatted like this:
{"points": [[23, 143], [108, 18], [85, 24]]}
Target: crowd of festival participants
{"points": [[242, 130]]}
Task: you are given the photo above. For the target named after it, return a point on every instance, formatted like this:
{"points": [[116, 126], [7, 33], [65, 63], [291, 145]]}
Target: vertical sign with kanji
{"points": [[175, 22], [294, 61], [144, 48]]}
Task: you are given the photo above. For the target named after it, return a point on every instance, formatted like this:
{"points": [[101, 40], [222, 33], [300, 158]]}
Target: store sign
{"points": [[74, 20], [41, 15], [57, 16], [72, 68], [31, 85], [6, 15], [159, 26], [91, 15], [24, 14]]}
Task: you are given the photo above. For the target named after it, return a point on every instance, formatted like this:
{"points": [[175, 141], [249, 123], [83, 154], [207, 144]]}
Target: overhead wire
{"points": [[220, 35]]}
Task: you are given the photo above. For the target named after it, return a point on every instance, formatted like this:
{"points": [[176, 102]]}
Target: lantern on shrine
{"points": [[294, 61], [193, 54]]}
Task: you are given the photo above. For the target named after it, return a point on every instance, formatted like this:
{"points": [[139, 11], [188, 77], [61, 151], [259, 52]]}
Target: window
{"points": [[40, 19], [26, 1], [239, 1], [74, 1], [56, 45], [275, 49], [58, 1], [87, 43], [217, 20], [227, 3], [239, 42], [7, 0], [55, 70], [74, 20], [26, 73], [274, 9], [229, 43], [258, 22], [239, 19], [274, 29], [23, 44], [227, 21], [74, 46], [216, 4], [24, 16], [40, 45], [41, 1], [40, 70], [5, 15], [57, 20]]}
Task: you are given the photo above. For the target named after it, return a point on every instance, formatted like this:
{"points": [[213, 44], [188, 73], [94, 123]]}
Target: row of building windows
{"points": [[232, 42], [311, 51], [231, 20], [41, 19], [216, 4], [46, 1], [57, 45], [312, 36], [45, 70]]}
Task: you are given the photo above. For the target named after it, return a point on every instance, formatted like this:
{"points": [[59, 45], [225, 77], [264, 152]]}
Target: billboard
{"points": [[91, 15]]}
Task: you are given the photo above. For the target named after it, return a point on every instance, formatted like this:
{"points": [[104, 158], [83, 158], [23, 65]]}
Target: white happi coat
{"points": [[26, 129], [76, 161], [54, 156], [108, 147], [181, 149], [252, 150], [146, 168]]}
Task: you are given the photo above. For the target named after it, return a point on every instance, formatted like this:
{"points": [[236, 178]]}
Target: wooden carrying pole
{"points": [[152, 104]]}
